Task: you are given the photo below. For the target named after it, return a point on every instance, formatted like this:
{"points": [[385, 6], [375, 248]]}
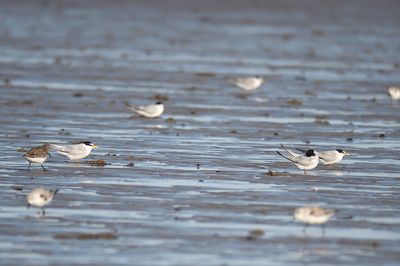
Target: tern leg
{"points": [[43, 211], [44, 169], [323, 229], [29, 166], [305, 172]]}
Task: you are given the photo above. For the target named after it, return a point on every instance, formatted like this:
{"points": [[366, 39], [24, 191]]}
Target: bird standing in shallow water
{"points": [[313, 215], [40, 197], [149, 111], [305, 162], [38, 155], [248, 83], [75, 151], [330, 157]]}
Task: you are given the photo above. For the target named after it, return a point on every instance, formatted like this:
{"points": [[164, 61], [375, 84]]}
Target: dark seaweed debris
{"points": [[87, 236], [97, 162]]}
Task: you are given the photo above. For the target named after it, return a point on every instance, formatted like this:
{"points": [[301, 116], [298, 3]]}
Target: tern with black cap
{"points": [[75, 151], [330, 157], [149, 111], [304, 162]]}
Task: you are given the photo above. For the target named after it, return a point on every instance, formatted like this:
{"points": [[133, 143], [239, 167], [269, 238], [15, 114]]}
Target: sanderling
{"points": [[37, 155], [313, 215], [40, 197]]}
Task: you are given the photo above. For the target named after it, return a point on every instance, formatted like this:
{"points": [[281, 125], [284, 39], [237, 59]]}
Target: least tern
{"points": [[394, 93], [304, 162], [248, 83], [75, 151], [313, 215], [40, 197], [330, 157], [149, 111], [37, 155]]}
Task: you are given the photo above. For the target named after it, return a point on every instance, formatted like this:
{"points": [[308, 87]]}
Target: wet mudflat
{"points": [[192, 187]]}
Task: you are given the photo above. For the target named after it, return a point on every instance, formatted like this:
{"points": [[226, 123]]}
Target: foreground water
{"points": [[188, 188]]}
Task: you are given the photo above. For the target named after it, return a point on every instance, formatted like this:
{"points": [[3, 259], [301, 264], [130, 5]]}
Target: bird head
{"points": [[54, 192], [343, 152], [259, 78], [310, 153], [90, 144]]}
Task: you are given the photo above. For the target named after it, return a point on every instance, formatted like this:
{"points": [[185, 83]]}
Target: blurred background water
{"points": [[189, 187]]}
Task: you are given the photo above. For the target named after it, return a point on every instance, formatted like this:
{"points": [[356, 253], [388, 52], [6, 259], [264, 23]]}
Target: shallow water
{"points": [[73, 66]]}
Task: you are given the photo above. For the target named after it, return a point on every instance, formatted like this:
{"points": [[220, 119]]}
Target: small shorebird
{"points": [[394, 93], [75, 151], [149, 111], [248, 83], [313, 215], [305, 162], [40, 197], [330, 157], [37, 155]]}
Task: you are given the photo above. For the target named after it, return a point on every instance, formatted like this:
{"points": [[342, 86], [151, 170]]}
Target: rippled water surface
{"points": [[200, 184]]}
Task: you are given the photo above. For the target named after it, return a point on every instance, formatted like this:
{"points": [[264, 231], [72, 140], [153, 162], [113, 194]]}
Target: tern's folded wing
{"points": [[149, 108], [328, 156], [301, 150], [303, 160], [59, 148], [292, 153], [235, 80], [133, 108]]}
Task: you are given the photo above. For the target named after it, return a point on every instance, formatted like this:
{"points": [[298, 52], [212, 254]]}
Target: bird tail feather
{"points": [[287, 150], [284, 155], [301, 150]]}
